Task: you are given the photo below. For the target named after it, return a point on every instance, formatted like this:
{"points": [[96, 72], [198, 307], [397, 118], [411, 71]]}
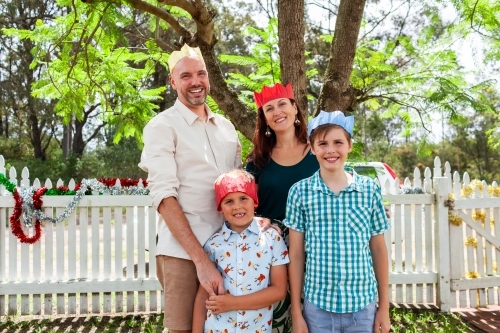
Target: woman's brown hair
{"points": [[263, 145]]}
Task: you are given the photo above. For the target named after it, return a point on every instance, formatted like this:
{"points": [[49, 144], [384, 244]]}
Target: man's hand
{"points": [[220, 304], [265, 223], [210, 278]]}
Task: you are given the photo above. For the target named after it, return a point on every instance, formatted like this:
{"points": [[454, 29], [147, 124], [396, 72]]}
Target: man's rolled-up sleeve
{"points": [[158, 160]]}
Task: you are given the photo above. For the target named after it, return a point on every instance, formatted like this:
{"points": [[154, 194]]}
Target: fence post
{"points": [[442, 244]]}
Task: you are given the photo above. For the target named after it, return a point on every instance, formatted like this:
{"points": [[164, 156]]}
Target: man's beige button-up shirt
{"points": [[183, 156]]}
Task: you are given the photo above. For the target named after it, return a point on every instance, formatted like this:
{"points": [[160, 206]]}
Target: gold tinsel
{"points": [[478, 215], [493, 191], [473, 275], [455, 219], [477, 184], [471, 241], [451, 196], [467, 191]]}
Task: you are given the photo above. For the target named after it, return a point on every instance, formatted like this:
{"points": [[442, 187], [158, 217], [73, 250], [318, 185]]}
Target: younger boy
{"points": [[252, 263], [338, 217]]}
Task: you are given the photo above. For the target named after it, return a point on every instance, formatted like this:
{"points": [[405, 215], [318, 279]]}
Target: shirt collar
{"points": [[190, 116], [226, 232], [318, 184]]}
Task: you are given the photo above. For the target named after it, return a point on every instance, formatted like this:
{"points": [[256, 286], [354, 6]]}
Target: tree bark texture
{"points": [[337, 92], [242, 117], [291, 30]]}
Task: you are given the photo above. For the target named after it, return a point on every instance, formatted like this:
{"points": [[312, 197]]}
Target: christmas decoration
{"points": [[273, 92], [455, 219], [28, 201], [471, 241]]}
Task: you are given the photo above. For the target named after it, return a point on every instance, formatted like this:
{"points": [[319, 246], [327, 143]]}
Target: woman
{"points": [[281, 153], [280, 158]]}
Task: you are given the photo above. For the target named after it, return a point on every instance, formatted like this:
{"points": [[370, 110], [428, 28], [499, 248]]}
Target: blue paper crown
{"points": [[334, 117]]}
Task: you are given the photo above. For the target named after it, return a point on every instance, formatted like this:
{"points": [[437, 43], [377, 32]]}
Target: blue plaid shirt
{"points": [[337, 229]]}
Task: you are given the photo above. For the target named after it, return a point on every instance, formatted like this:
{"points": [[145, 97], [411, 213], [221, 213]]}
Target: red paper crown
{"points": [[270, 93], [235, 181]]}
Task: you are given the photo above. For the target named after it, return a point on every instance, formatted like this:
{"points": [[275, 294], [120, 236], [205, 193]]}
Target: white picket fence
{"points": [[97, 260], [94, 262]]}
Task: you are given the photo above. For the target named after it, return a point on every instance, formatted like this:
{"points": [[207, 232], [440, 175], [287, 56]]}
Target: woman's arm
{"points": [[260, 299], [381, 269], [200, 310], [296, 277]]}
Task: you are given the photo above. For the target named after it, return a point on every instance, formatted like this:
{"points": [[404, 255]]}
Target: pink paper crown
{"points": [[270, 93]]}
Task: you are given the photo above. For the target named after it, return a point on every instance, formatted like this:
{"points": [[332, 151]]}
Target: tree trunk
{"points": [[36, 137], [241, 115], [337, 92], [79, 143], [291, 30], [67, 140]]}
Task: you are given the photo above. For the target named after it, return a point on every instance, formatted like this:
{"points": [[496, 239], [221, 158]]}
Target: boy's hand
{"points": [[265, 223], [299, 325], [382, 321], [220, 304]]}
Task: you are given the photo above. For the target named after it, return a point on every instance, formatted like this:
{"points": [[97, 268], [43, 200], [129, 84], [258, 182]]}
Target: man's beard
{"points": [[198, 101]]}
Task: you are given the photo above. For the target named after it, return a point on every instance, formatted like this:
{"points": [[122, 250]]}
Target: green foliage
{"points": [[408, 320], [481, 18], [14, 148], [86, 61], [263, 61], [114, 160], [414, 78]]}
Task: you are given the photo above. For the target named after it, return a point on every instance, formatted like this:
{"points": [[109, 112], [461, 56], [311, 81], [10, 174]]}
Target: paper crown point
{"points": [[334, 118], [272, 92], [185, 51]]}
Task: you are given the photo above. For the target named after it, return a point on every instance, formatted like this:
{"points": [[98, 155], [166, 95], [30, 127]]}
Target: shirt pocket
{"points": [[359, 222], [230, 152]]}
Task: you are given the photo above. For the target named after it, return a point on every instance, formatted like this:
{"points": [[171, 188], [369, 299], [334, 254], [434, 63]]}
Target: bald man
{"points": [[186, 148]]}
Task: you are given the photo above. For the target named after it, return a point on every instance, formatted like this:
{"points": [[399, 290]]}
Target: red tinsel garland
{"points": [[124, 182], [15, 221]]}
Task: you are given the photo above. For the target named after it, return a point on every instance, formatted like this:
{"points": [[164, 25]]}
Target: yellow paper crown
{"points": [[186, 51]]}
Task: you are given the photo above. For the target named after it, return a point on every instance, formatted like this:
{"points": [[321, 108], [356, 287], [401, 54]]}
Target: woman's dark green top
{"points": [[274, 182]]}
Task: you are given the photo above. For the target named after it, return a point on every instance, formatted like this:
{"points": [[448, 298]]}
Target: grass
{"points": [[416, 320], [89, 324], [402, 320]]}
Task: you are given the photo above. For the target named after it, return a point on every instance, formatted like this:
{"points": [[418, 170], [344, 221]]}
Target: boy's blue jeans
{"points": [[321, 321]]}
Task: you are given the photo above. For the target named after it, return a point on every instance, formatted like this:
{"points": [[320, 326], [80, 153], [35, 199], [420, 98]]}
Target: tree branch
{"points": [[184, 4], [337, 92], [164, 15], [472, 14], [95, 133]]}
